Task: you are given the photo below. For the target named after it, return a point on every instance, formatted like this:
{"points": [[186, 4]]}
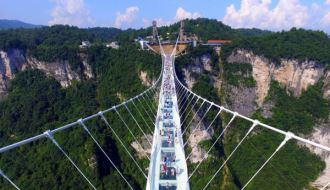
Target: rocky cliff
{"points": [[14, 61], [200, 65], [326, 87], [146, 81], [241, 99], [321, 135], [294, 75]]}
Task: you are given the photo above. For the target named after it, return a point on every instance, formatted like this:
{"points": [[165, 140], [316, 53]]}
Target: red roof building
{"points": [[219, 41]]}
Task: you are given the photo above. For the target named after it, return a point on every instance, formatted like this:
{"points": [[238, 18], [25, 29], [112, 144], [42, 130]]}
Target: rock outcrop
{"points": [[198, 154], [198, 66], [294, 75], [188, 78], [142, 148], [326, 87], [198, 134], [61, 70], [14, 61], [321, 135], [144, 78], [298, 76], [241, 99]]}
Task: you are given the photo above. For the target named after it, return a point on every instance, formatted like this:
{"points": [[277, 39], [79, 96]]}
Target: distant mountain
{"points": [[12, 24]]}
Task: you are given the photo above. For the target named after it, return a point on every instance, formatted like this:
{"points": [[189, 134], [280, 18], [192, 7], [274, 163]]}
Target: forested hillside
{"points": [[297, 114], [12, 24], [296, 44], [37, 102]]}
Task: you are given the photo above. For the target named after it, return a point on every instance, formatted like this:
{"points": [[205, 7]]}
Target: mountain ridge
{"points": [[15, 24]]}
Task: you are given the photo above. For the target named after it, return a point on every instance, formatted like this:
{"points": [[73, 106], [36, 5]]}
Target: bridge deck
{"points": [[168, 168]]}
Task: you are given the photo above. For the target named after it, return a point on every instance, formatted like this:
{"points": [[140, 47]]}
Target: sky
{"points": [[275, 15]]}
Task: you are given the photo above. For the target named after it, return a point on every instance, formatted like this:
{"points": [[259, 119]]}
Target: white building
{"points": [[142, 44], [113, 45], [85, 44]]}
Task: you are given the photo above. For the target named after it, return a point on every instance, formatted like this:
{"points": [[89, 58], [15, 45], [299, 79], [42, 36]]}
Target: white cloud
{"points": [[327, 2], [71, 12], [160, 22], [258, 13], [182, 14], [326, 20], [126, 18], [316, 7]]}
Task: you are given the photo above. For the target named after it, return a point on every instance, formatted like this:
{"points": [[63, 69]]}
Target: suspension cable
{"points": [[286, 139], [155, 103], [180, 92], [151, 101], [187, 115], [325, 187], [8, 179], [121, 118], [148, 105], [143, 118], [274, 169], [183, 97], [145, 110], [231, 120], [231, 154], [81, 122], [187, 105], [180, 99], [198, 124], [151, 96], [121, 142], [192, 119], [183, 102], [49, 134], [129, 111]]}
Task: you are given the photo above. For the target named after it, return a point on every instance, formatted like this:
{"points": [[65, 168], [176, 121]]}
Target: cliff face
{"points": [[294, 75], [61, 70], [321, 135], [326, 87], [199, 66], [146, 81], [241, 99], [14, 61]]}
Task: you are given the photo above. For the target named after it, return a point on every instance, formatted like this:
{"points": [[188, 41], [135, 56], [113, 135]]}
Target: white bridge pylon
{"points": [[168, 167]]}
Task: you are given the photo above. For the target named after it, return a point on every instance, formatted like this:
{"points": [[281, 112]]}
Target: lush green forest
{"points": [[288, 169], [37, 102], [295, 44], [56, 42], [7, 24], [207, 29], [239, 73]]}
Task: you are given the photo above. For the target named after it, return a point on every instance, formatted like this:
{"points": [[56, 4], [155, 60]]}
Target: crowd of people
{"points": [[168, 131]]}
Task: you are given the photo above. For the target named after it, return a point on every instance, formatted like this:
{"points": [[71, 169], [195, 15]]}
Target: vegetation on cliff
{"points": [[294, 44], [37, 102]]}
